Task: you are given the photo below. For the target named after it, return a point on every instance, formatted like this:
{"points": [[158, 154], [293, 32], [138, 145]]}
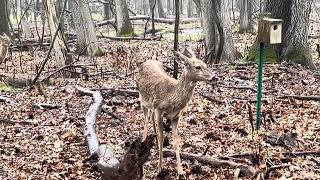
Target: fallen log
{"points": [[15, 82], [245, 169], [306, 98], [46, 106], [12, 122], [117, 91], [132, 38], [148, 18], [131, 165]]}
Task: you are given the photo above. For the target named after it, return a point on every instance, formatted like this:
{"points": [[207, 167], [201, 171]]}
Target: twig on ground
{"points": [[246, 169], [266, 174]]}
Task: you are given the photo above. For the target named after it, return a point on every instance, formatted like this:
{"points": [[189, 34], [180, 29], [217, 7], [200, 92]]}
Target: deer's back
{"points": [[153, 83]]}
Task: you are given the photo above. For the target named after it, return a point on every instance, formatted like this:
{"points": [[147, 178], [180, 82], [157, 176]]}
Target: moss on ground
{"points": [[254, 55], [6, 88]]}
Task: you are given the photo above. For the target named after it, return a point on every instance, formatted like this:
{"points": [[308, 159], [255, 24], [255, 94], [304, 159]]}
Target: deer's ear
{"points": [[182, 59], [189, 52]]}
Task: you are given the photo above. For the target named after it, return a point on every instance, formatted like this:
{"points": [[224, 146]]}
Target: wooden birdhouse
{"points": [[270, 30]]}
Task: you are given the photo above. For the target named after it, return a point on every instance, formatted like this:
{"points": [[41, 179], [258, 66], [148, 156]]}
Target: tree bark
{"points": [[198, 7], [169, 7], [106, 10], [160, 9], [216, 18], [190, 8], [4, 25], [245, 16], [62, 56], [152, 4], [176, 37], [87, 42], [124, 26]]}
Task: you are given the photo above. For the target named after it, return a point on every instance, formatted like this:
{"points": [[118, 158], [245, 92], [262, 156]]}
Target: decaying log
{"points": [[132, 38], [302, 153], [46, 106], [131, 165], [306, 98], [148, 18], [117, 91], [8, 121], [245, 169], [15, 82]]}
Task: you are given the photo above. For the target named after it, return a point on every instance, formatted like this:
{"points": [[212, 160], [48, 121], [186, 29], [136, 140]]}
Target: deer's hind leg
{"points": [[146, 113]]}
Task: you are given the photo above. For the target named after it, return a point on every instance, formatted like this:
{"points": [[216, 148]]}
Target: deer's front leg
{"points": [[176, 143], [159, 118]]}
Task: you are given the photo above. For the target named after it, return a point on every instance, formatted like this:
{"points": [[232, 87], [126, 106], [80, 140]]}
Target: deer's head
{"points": [[195, 69]]}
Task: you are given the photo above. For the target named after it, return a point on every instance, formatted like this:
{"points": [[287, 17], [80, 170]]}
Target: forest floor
{"points": [[38, 143]]}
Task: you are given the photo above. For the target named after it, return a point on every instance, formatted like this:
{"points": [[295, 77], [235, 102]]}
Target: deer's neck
{"points": [[184, 90]]}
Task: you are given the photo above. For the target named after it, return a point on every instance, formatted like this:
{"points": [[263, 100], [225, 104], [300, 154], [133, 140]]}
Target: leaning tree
{"points": [[294, 47]]}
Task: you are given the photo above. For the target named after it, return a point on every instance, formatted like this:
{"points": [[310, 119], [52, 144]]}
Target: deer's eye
{"points": [[198, 67]]}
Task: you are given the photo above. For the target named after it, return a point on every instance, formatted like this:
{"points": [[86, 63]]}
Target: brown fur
{"points": [[163, 96]]}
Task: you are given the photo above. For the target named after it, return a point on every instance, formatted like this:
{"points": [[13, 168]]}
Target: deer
{"points": [[162, 96]]}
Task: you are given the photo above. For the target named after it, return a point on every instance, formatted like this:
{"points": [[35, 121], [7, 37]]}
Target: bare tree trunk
{"points": [[245, 16], [145, 7], [124, 26], [181, 6], [190, 8], [216, 16], [106, 10], [61, 53], [230, 53], [87, 42], [209, 27], [160, 9], [176, 38], [198, 7], [4, 25], [152, 4], [169, 7]]}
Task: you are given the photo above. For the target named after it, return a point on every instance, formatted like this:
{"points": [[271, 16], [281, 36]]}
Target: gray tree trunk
{"points": [[160, 9], [107, 11], [190, 8], [208, 21], [245, 16], [124, 26], [4, 25], [198, 7], [169, 7], [87, 42], [217, 23], [146, 7], [296, 16], [62, 56], [230, 53]]}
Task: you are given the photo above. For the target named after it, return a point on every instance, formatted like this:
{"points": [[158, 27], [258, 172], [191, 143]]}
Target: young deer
{"points": [[163, 96]]}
